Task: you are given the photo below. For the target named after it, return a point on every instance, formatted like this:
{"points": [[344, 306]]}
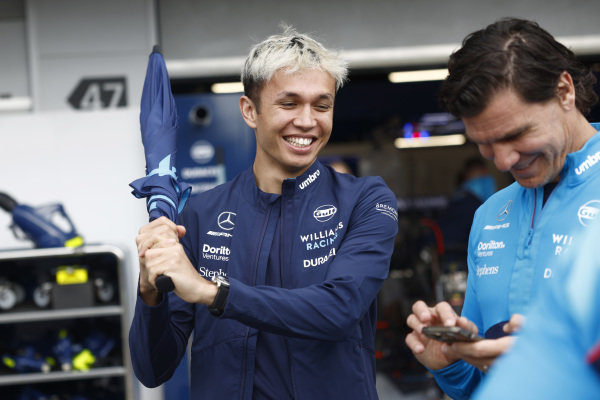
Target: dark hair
{"points": [[512, 53]]}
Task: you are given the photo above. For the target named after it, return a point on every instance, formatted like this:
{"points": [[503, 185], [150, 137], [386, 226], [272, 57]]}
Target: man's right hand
{"points": [[160, 253], [430, 352], [160, 233]]}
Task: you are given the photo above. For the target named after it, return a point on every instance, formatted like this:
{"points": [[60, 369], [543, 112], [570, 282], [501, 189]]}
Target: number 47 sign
{"points": [[99, 94]]}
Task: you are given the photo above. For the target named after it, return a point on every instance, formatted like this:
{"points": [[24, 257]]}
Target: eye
{"points": [[323, 107]]}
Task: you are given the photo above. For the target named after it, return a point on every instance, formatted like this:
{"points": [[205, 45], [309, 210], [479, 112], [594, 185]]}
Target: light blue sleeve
{"points": [[548, 360]]}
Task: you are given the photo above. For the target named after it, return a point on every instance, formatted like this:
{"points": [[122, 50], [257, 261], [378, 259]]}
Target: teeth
{"points": [[299, 142]]}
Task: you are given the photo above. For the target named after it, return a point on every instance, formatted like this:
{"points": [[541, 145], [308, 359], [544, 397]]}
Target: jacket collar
{"points": [[298, 186], [304, 183], [584, 163]]}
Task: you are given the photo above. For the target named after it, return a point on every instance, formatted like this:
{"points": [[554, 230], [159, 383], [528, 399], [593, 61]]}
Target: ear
{"points": [[248, 110], [565, 90]]}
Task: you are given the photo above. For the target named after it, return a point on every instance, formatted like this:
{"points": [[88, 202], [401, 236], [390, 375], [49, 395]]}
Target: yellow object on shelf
{"points": [[69, 275]]}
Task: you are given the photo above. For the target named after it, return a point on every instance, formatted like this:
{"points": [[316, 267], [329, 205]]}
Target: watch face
{"points": [[220, 280]]}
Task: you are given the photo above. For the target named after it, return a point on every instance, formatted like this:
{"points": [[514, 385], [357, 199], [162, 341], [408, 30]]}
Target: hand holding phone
{"points": [[450, 334]]}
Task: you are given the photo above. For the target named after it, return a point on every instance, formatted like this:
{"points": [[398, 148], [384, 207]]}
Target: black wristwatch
{"points": [[218, 305]]}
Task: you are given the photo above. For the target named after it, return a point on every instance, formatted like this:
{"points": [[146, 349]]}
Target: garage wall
{"points": [[47, 47], [198, 29]]}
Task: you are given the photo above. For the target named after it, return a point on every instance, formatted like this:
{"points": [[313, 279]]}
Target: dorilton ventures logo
{"points": [[215, 253], [491, 245]]}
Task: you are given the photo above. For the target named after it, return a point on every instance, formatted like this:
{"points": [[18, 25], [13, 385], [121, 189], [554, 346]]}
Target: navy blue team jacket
{"points": [[336, 237]]}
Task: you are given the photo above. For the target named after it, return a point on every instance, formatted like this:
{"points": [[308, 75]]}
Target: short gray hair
{"points": [[292, 52]]}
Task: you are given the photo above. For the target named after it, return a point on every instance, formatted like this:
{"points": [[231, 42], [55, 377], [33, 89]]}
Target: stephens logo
{"points": [[324, 213], [208, 273], [504, 211], [588, 212], [485, 270], [225, 220]]}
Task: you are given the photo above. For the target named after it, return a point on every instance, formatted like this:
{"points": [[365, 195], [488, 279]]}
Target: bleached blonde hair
{"points": [[291, 52]]}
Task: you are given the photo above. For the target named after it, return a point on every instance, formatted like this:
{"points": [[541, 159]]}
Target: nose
{"points": [[304, 118], [503, 155]]}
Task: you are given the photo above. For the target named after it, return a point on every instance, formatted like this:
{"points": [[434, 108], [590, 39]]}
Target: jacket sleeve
{"points": [[459, 379], [158, 338], [332, 309], [548, 359]]}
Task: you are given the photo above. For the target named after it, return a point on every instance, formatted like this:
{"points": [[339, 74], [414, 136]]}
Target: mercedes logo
{"points": [[504, 211], [225, 220]]}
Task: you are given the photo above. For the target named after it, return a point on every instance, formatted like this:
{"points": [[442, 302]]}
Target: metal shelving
{"points": [[108, 259]]}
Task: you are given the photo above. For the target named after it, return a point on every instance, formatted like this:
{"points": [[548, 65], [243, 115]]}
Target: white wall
{"points": [[73, 39], [84, 161]]}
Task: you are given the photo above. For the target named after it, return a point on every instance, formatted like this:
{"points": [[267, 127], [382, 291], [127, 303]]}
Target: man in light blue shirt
{"points": [[523, 98]]}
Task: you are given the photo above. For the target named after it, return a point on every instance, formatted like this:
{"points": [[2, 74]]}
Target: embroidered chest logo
{"points": [[324, 213], [226, 220], [485, 270], [561, 243], [588, 212], [321, 239], [486, 249], [504, 211]]}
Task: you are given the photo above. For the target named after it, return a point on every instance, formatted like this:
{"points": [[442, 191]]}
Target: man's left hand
{"points": [[480, 354]]}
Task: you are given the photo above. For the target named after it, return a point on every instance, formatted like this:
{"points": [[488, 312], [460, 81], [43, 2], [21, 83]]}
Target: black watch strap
{"points": [[218, 305]]}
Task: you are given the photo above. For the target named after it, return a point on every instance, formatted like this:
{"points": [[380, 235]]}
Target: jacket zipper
{"points": [[282, 254], [531, 226], [245, 356]]}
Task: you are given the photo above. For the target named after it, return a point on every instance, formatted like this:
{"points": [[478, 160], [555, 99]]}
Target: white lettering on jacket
{"points": [[311, 178], [215, 253], [485, 270], [207, 273], [590, 161], [491, 245], [315, 262]]}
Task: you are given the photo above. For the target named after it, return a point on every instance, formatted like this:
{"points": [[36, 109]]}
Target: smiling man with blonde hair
{"points": [[281, 300]]}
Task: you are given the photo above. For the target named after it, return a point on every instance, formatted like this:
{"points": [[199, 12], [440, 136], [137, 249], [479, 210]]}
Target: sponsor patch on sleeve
{"points": [[387, 210]]}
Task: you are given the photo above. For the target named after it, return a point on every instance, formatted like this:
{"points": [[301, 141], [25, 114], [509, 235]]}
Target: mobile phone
{"points": [[450, 334]]}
